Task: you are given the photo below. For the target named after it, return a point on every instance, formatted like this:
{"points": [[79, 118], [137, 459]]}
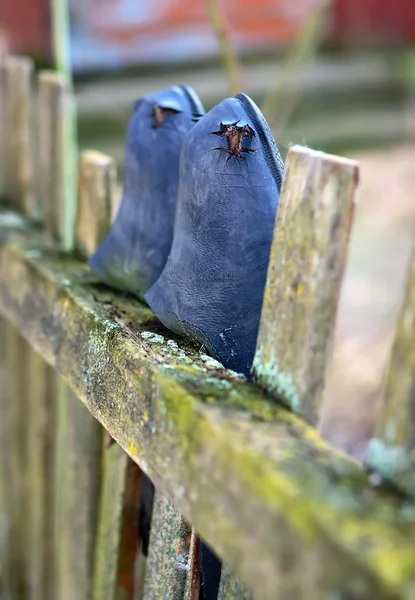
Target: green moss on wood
{"points": [[286, 512], [168, 564], [305, 270]]}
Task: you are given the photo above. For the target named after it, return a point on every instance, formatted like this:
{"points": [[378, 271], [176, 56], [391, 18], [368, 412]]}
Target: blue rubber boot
{"points": [[212, 286], [133, 254]]}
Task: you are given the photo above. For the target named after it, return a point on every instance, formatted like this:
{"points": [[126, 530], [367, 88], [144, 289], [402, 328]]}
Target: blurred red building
{"points": [[115, 33], [24, 26]]}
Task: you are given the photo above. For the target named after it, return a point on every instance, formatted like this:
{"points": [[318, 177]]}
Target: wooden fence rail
{"points": [[290, 516]]}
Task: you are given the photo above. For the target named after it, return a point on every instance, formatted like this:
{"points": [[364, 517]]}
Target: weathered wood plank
{"points": [[5, 511], [3, 183], [392, 451], [77, 483], [78, 441], [18, 107], [16, 140], [97, 191], [31, 444], [14, 458], [39, 419], [168, 560], [79, 435], [322, 526], [308, 255], [56, 152], [117, 538]]}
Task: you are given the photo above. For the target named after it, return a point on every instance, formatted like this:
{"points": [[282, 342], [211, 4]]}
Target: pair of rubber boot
{"points": [[193, 233]]}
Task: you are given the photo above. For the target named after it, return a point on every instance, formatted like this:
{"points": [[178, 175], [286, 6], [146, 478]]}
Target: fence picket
{"points": [[3, 183], [392, 451], [168, 560], [56, 150], [117, 540], [32, 424], [117, 535], [307, 260], [18, 106], [69, 500], [17, 186], [78, 436], [16, 420]]}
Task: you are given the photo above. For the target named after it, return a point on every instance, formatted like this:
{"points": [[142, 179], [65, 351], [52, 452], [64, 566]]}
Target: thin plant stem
{"points": [[62, 63], [61, 36], [229, 57], [280, 102]]}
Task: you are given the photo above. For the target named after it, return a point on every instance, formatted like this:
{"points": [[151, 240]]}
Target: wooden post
{"points": [[308, 256], [17, 114], [117, 530], [97, 192], [2, 128], [168, 565], [16, 101], [57, 156], [117, 538], [15, 421], [78, 436], [40, 395], [392, 451]]}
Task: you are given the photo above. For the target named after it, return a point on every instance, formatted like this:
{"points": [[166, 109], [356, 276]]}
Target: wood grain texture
{"points": [[16, 485], [18, 125], [40, 396], [97, 191], [117, 538], [79, 435], [116, 543], [307, 260], [322, 527], [168, 565], [3, 181], [392, 451], [27, 534], [56, 153]]}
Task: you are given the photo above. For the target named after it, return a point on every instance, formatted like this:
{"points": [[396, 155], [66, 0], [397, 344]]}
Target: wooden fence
{"points": [[242, 463]]}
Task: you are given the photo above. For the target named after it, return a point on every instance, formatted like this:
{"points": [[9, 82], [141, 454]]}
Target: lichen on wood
{"points": [[307, 259], [79, 437], [168, 565], [97, 181], [216, 446]]}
